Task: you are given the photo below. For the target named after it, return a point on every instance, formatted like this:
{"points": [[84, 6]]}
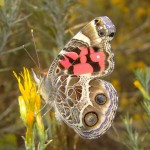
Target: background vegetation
{"points": [[54, 22]]}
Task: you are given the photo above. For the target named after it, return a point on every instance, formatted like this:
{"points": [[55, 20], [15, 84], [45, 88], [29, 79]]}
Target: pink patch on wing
{"points": [[84, 51], [91, 50], [82, 69], [102, 61], [98, 56], [65, 62], [72, 55], [83, 59]]}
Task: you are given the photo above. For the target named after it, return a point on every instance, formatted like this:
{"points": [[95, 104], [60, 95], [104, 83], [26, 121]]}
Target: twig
{"points": [[14, 50], [7, 111]]}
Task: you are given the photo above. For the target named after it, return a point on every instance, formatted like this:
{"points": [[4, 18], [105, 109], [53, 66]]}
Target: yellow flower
{"points": [[116, 84], [29, 101], [140, 116], [23, 110], [137, 116], [138, 84], [30, 105], [136, 65], [117, 2], [2, 3], [141, 11], [124, 102], [30, 119], [142, 90]]}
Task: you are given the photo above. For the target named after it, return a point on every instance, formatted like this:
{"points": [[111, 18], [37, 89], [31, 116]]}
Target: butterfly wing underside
{"points": [[81, 99], [86, 105], [88, 52]]}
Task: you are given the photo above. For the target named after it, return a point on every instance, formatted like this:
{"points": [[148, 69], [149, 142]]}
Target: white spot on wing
{"points": [[98, 57], [82, 37]]}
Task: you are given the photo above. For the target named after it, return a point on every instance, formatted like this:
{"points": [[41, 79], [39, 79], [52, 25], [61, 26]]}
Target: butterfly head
{"points": [[105, 27]]}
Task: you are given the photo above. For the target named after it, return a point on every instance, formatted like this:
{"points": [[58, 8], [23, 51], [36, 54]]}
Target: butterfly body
{"points": [[73, 86]]}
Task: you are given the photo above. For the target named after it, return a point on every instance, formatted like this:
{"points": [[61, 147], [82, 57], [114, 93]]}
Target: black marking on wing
{"points": [[96, 49], [70, 59], [88, 58], [70, 70], [77, 61], [95, 65], [76, 50]]}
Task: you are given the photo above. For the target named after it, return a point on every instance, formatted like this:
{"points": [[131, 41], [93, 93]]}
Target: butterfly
{"points": [[73, 84]]}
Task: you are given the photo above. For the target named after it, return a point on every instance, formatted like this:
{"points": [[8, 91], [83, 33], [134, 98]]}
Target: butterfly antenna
{"points": [[30, 55], [49, 108], [50, 105], [35, 48], [42, 109]]}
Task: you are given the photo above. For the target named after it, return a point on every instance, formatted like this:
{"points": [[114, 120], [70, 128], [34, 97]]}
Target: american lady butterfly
{"points": [[73, 86]]}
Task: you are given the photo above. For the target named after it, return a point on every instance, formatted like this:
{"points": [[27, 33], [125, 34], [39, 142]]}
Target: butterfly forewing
{"points": [[89, 51]]}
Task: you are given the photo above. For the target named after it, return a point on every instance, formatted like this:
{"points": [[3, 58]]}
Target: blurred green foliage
{"points": [[54, 22], [131, 137]]}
